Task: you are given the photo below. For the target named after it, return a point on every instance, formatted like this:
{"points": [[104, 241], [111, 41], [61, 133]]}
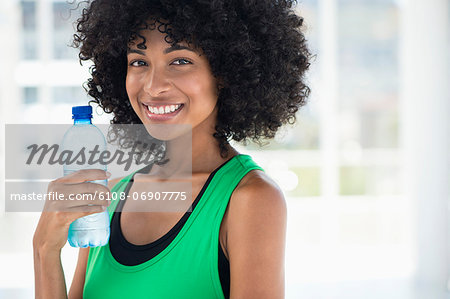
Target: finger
{"points": [[64, 196], [86, 187], [76, 206], [85, 175], [79, 212], [87, 209], [91, 208]]}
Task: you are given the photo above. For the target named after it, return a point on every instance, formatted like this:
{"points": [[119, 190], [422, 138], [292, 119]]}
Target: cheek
{"points": [[132, 88], [200, 88], [131, 85]]}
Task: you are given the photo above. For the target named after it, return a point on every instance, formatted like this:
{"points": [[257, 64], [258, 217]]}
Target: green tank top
{"points": [[188, 266]]}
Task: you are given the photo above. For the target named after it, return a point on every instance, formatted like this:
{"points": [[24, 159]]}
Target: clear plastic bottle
{"points": [[92, 230]]}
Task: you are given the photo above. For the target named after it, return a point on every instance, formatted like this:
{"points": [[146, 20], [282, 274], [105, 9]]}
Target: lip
{"points": [[152, 104], [161, 117]]}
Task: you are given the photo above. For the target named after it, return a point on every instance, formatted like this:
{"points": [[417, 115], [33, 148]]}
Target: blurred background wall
{"points": [[365, 171]]}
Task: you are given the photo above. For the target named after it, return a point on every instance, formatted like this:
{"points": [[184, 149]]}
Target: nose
{"points": [[156, 83]]}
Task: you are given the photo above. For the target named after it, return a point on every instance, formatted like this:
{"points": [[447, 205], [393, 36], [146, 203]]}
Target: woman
{"points": [[230, 70]]}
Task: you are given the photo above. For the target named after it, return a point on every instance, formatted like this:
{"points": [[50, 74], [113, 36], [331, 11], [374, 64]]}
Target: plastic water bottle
{"points": [[91, 230]]}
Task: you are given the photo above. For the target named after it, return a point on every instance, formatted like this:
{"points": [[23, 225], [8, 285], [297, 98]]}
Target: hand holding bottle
{"points": [[52, 230]]}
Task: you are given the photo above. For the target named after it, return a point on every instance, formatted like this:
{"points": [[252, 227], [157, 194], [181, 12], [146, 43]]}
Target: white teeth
{"points": [[163, 109]]}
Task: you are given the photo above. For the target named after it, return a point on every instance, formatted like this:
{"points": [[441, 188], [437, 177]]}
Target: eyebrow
{"points": [[175, 47]]}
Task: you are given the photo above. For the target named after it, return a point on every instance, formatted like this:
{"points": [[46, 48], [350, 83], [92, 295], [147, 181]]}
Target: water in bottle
{"points": [[91, 230]]}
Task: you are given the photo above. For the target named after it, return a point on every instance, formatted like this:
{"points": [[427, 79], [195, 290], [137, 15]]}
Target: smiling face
{"points": [[170, 85]]}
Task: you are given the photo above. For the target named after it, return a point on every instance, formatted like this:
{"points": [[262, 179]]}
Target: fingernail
{"points": [[108, 174]]}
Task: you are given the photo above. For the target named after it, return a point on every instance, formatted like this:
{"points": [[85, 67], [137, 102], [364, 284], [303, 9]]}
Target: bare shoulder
{"points": [[258, 192], [257, 203]]}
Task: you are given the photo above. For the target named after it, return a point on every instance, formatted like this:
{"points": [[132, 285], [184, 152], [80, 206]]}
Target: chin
{"points": [[168, 132]]}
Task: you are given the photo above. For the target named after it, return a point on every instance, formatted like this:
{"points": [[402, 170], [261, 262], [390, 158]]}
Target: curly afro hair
{"points": [[255, 48]]}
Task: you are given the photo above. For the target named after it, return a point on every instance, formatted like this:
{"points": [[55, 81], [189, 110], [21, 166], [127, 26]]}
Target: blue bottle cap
{"points": [[81, 112]]}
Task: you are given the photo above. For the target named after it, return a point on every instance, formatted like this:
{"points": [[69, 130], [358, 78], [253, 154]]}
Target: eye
{"points": [[184, 61], [138, 63]]}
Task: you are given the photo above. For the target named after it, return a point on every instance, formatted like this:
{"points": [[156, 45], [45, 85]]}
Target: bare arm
{"points": [[76, 288], [256, 240], [49, 275]]}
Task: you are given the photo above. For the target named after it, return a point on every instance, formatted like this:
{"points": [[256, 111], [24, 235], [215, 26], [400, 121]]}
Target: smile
{"points": [[162, 112]]}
